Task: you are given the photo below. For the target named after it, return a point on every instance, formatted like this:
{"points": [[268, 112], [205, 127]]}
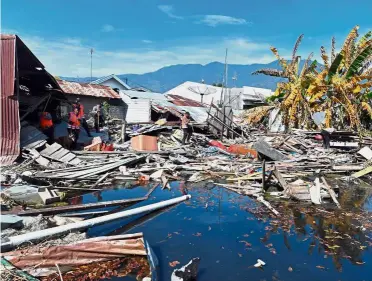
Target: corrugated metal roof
{"points": [[10, 127], [112, 76], [31, 137], [182, 101], [199, 114], [144, 95], [86, 89], [211, 93]]}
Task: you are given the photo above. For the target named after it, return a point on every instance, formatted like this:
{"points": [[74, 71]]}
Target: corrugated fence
{"points": [[10, 126]]}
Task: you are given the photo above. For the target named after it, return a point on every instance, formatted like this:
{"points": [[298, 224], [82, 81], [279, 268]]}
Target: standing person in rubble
{"points": [[81, 116], [186, 128], [98, 117], [73, 126], [47, 126]]}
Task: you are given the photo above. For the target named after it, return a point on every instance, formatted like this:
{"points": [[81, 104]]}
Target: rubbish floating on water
{"points": [[259, 263], [188, 272]]}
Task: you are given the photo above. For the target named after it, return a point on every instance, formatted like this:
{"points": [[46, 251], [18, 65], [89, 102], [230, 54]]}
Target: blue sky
{"points": [[137, 36]]}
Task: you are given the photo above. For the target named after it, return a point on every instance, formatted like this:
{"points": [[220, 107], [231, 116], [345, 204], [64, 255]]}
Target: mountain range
{"points": [[169, 77]]}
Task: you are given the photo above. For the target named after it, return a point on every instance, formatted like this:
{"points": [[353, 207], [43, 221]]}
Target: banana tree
{"points": [[294, 106], [343, 84]]}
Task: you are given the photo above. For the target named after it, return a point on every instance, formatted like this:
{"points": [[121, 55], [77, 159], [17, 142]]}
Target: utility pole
{"points": [[224, 86], [91, 65]]}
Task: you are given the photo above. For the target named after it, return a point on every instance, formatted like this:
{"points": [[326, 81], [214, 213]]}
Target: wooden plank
{"points": [[77, 188], [366, 152], [76, 161], [100, 180], [64, 209], [59, 154], [362, 172], [281, 180], [50, 149], [264, 148], [315, 192], [347, 168], [68, 157], [331, 192], [38, 158]]}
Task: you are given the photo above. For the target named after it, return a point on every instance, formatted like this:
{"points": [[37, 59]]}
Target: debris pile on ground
{"points": [[265, 166]]}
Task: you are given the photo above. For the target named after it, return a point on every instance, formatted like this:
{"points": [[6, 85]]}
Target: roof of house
{"points": [[143, 95], [193, 91], [182, 101], [111, 76], [86, 89]]}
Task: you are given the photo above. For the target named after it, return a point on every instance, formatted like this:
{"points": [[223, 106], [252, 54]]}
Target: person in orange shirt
{"points": [[47, 126], [73, 126], [81, 116]]}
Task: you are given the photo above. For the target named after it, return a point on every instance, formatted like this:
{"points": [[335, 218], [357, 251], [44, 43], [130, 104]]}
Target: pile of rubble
{"points": [[265, 166]]}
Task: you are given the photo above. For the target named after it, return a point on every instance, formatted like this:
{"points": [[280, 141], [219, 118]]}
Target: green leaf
{"points": [[368, 95], [334, 66], [358, 62]]}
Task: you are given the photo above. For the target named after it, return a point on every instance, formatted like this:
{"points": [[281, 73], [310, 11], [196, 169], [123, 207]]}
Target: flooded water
{"points": [[229, 232]]}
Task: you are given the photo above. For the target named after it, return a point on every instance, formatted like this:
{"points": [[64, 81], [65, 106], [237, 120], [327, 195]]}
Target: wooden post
{"points": [[223, 122], [123, 130], [263, 174]]}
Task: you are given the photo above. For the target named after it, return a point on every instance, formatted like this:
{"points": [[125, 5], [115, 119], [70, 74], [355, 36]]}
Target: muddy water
{"points": [[230, 232]]}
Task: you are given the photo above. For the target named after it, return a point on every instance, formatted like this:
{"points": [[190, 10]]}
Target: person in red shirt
{"points": [[47, 126], [81, 115], [73, 127]]}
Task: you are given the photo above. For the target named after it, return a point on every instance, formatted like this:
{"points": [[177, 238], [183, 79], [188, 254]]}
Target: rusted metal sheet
{"points": [[86, 89], [182, 101], [10, 125], [77, 254]]}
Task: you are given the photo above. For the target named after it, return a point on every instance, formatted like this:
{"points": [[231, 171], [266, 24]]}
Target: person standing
{"points": [[73, 126], [81, 116], [47, 126], [186, 128], [98, 117]]}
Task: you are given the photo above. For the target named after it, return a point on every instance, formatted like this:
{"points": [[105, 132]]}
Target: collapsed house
{"points": [[26, 89], [92, 94], [149, 107]]}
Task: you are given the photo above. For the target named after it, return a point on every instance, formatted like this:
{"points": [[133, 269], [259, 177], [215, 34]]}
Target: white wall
{"points": [[113, 84], [138, 111]]}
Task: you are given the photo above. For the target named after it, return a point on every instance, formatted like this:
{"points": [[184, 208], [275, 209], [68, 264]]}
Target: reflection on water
{"points": [[229, 232]]}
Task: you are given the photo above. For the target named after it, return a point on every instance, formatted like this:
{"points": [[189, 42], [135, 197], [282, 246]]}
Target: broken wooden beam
{"points": [[362, 172], [79, 207], [331, 192]]}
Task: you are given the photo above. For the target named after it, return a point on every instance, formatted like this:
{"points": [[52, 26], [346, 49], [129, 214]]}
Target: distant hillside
{"points": [[169, 77]]}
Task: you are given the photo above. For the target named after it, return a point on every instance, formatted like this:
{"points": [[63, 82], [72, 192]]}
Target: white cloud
{"points": [[71, 56], [169, 11], [214, 20], [107, 28], [147, 41]]}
